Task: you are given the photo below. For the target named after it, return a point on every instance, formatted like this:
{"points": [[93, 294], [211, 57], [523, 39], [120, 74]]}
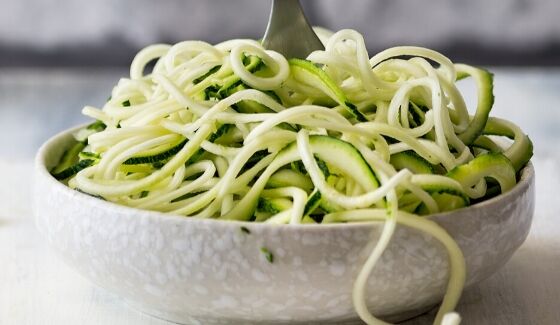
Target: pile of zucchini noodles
{"points": [[236, 132]]}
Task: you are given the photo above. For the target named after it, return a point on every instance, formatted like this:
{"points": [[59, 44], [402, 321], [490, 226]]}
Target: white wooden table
{"points": [[37, 288]]}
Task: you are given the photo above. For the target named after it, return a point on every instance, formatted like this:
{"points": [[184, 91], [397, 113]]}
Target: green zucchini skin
{"points": [[267, 207], [484, 142], [97, 126], [521, 151], [289, 177], [69, 158], [271, 206], [417, 114], [308, 73], [206, 75], [252, 64], [89, 155], [74, 169], [254, 159], [485, 84], [312, 203], [446, 199], [157, 157], [494, 165], [411, 161]]}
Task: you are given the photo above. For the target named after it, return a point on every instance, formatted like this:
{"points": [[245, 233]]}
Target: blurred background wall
{"points": [[109, 32]]}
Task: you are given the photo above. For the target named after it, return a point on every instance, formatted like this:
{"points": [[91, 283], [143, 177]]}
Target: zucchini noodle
{"points": [[238, 132]]}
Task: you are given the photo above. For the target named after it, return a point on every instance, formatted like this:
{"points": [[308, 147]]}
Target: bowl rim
{"points": [[527, 176]]}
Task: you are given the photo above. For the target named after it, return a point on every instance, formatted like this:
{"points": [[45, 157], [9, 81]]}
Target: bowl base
{"points": [[185, 319]]}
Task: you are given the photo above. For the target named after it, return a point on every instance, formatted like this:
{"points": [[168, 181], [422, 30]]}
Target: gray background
{"points": [[109, 32]]}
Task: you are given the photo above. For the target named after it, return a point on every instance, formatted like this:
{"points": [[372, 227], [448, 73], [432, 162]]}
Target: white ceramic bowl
{"points": [[196, 271]]}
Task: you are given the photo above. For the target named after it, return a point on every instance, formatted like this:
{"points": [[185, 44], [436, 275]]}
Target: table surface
{"points": [[37, 288]]}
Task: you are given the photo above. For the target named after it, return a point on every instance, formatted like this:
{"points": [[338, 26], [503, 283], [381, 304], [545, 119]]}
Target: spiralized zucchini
{"points": [[237, 132]]}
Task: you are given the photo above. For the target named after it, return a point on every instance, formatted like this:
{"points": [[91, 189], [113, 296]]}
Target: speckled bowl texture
{"points": [[194, 271]]}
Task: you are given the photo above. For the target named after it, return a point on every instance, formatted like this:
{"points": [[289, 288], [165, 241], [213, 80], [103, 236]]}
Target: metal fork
{"points": [[289, 32]]}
